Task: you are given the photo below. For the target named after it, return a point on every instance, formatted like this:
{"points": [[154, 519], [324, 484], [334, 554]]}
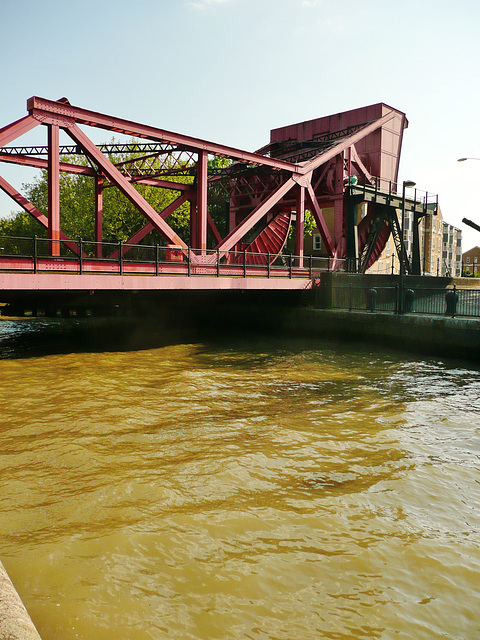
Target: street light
{"points": [[406, 184], [463, 159]]}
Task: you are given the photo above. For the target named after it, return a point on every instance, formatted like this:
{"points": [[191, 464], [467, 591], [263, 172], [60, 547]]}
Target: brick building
{"points": [[471, 261], [440, 247]]}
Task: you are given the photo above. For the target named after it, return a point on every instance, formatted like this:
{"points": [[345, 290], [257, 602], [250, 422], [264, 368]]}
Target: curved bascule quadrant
{"points": [[246, 210]]}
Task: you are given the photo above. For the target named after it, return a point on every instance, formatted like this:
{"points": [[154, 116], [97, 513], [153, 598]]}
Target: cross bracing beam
{"points": [[17, 129], [41, 163], [173, 162], [27, 206], [250, 221], [319, 219], [346, 142], [67, 167], [72, 150], [145, 230], [114, 175]]}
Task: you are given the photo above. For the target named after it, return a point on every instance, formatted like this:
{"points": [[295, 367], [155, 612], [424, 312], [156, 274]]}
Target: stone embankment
{"points": [[434, 335], [15, 623], [438, 335]]}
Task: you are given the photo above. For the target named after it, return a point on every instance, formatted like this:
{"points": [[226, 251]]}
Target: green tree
{"points": [[77, 209]]}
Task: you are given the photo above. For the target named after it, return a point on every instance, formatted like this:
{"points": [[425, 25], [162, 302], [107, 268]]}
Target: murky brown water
{"points": [[288, 491]]}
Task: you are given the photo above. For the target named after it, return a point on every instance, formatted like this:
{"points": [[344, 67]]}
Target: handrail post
{"points": [[35, 254], [218, 263], [157, 258], [310, 266], [268, 264], [80, 257], [244, 263], [189, 263], [290, 266], [120, 256]]}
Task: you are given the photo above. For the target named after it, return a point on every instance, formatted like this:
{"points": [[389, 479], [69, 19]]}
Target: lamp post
{"points": [[401, 306], [463, 159]]}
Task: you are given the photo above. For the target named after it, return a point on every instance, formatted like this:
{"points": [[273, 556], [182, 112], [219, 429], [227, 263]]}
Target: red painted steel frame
{"points": [[54, 189], [59, 281], [268, 185], [35, 213]]}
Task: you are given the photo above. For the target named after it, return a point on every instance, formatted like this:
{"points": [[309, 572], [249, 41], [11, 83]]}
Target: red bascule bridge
{"points": [[343, 168]]}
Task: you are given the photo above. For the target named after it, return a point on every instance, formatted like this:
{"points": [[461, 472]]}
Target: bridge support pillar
{"points": [[350, 205], [98, 215], [299, 226], [201, 212], [338, 221], [53, 189]]}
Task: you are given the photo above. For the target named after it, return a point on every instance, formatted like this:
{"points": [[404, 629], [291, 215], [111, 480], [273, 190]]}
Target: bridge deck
{"points": [[59, 274]]}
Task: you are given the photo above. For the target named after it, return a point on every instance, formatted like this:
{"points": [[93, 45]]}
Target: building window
{"points": [[468, 259], [475, 260], [317, 242]]}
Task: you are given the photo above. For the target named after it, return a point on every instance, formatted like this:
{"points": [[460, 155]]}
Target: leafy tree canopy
{"points": [[121, 219], [77, 206]]}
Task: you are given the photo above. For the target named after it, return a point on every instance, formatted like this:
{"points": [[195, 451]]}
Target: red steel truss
{"points": [[305, 166]]}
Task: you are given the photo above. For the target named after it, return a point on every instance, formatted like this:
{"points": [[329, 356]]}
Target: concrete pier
{"points": [[415, 333], [15, 623]]}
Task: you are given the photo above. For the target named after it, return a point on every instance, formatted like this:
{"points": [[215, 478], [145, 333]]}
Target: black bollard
{"points": [[372, 300], [451, 298], [408, 300]]}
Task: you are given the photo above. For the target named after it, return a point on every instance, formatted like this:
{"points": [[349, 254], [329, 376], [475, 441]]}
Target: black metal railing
{"points": [[452, 301], [38, 254], [390, 190]]}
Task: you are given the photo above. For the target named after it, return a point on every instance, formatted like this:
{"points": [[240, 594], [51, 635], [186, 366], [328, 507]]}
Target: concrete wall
{"points": [[333, 285], [339, 278], [435, 335]]}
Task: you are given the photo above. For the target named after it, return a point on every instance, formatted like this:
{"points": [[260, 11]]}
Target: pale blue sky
{"points": [[230, 70]]}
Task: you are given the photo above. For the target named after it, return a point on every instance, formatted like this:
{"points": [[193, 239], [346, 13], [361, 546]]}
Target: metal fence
{"points": [[81, 256], [453, 301]]}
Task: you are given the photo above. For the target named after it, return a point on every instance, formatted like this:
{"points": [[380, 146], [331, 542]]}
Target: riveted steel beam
{"points": [[237, 234], [346, 142], [16, 129], [53, 181], [114, 175], [319, 220], [27, 206], [44, 109], [145, 230], [40, 163]]}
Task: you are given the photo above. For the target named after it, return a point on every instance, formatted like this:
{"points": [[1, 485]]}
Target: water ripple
{"points": [[264, 491]]}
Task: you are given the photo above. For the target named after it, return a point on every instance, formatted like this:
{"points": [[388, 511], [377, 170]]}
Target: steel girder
{"points": [[257, 186]]}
